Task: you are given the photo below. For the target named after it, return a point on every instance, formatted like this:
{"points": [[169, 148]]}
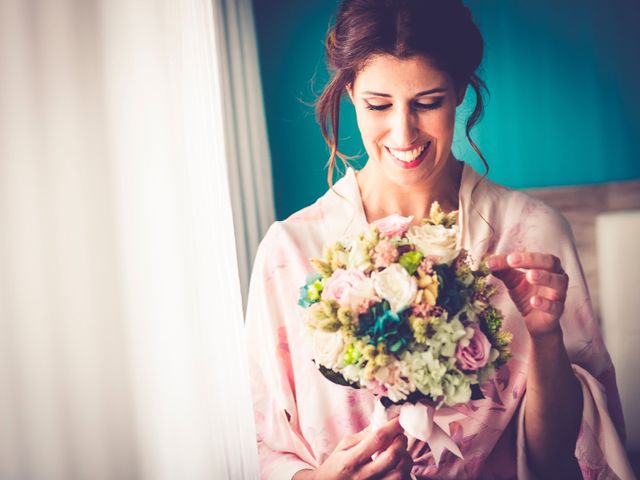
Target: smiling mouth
{"points": [[409, 158]]}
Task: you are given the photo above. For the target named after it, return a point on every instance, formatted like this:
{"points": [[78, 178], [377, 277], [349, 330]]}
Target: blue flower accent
{"points": [[452, 294], [382, 325], [310, 292]]}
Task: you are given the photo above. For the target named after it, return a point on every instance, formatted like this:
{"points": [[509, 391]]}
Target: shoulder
{"points": [[512, 206], [515, 220], [299, 225], [296, 237]]}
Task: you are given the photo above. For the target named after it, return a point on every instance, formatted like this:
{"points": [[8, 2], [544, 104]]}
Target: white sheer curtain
{"points": [[250, 160], [121, 352]]}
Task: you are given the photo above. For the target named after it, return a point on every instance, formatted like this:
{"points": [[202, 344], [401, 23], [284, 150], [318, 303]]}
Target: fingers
{"points": [[510, 277], [378, 440], [351, 440], [394, 459], [498, 262], [542, 269], [501, 269], [532, 260], [402, 470], [552, 281], [554, 308]]}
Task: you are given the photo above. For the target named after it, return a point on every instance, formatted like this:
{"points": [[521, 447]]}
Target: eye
{"points": [[377, 107], [428, 106]]}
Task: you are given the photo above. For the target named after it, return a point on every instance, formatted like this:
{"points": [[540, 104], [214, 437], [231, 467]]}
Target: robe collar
{"points": [[344, 212]]}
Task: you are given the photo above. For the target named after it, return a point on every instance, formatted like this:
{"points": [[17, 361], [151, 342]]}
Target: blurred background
{"points": [[560, 121], [563, 80], [145, 148]]}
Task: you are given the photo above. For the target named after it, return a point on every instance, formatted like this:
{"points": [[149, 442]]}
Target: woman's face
{"points": [[406, 113]]}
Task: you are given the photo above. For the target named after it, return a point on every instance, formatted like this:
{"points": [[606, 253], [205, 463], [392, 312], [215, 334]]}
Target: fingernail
{"points": [[514, 258]]}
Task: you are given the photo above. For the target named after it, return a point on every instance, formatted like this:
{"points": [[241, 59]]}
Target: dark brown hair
{"points": [[442, 31]]}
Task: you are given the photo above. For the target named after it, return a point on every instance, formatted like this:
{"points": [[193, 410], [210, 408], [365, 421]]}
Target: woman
{"points": [[406, 65]]}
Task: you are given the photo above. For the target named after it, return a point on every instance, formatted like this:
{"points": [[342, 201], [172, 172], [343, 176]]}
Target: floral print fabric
{"points": [[301, 416]]}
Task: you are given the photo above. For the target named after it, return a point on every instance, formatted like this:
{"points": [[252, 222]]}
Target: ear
{"points": [[349, 90]]}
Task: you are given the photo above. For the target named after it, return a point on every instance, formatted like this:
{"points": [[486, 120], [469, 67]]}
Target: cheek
{"points": [[441, 125], [370, 128]]}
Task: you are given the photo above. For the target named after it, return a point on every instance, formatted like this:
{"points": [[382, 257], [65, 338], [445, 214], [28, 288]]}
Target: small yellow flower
{"points": [[429, 297], [419, 328]]}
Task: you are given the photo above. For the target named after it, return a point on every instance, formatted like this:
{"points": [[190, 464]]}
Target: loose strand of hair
{"points": [[478, 86], [328, 115]]}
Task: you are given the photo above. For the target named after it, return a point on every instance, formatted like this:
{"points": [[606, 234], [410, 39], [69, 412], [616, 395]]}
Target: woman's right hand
{"points": [[351, 459]]}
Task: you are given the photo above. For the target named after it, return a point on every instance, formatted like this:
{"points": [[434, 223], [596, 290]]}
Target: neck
{"points": [[381, 197]]}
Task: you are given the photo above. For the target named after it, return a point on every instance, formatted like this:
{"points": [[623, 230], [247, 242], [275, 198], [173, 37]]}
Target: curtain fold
{"points": [[121, 352], [246, 133]]}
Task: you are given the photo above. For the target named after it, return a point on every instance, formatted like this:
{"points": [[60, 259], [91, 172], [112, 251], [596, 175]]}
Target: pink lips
{"points": [[413, 163]]}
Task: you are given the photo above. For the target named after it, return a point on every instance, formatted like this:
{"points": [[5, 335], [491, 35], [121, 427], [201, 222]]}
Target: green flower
{"points": [[410, 261], [444, 340], [457, 388], [352, 355], [491, 322], [426, 372]]}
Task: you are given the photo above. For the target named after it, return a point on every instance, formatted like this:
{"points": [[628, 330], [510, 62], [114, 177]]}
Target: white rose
{"points": [[395, 285], [436, 241], [360, 296], [327, 348]]}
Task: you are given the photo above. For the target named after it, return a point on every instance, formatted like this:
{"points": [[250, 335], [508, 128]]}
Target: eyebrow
{"points": [[419, 94]]}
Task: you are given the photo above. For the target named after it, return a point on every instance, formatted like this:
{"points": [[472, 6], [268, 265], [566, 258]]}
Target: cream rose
{"points": [[358, 258], [436, 241], [395, 285], [327, 348]]}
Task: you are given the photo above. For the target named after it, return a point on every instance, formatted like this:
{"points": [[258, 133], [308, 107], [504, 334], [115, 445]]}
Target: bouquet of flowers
{"points": [[398, 310]]}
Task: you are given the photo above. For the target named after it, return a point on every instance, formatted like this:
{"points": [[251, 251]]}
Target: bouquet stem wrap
{"points": [[420, 422]]}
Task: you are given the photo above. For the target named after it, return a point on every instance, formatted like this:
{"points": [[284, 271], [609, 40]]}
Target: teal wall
{"points": [[563, 78]]}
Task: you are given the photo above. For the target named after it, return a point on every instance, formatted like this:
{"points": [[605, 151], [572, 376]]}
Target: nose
{"points": [[403, 128]]}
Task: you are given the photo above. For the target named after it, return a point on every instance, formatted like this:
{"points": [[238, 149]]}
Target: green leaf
{"points": [[410, 261], [336, 377]]}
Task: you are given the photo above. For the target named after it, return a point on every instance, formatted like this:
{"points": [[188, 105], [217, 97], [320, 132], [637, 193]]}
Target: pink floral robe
{"points": [[301, 416]]}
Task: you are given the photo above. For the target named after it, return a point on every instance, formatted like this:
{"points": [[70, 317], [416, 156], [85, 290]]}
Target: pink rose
{"points": [[473, 353], [350, 288], [394, 225]]}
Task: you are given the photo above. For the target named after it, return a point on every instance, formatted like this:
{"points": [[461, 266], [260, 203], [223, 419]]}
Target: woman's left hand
{"points": [[537, 285]]}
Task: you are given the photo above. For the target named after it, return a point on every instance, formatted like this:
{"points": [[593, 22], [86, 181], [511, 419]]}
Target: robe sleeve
{"points": [[599, 450], [281, 446]]}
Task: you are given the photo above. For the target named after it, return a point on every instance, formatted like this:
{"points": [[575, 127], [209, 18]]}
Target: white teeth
{"points": [[408, 155]]}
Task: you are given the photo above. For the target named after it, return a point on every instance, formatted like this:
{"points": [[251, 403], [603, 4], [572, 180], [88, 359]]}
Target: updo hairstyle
{"points": [[442, 31]]}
